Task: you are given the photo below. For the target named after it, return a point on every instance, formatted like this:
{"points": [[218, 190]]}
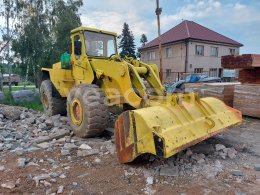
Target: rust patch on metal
{"points": [[122, 125]]}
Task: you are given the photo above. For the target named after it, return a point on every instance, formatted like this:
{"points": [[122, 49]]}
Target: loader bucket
{"points": [[167, 129]]}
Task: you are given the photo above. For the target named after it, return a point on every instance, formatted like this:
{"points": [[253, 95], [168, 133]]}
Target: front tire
{"points": [[51, 105], [87, 111]]}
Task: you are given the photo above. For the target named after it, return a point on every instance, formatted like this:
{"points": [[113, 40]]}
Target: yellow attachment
{"points": [[166, 129], [76, 112]]}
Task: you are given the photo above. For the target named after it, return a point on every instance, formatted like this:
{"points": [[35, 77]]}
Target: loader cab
{"points": [[93, 43]]}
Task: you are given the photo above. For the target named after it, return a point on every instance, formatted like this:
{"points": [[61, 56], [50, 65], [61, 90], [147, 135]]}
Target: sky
{"points": [[236, 19]]}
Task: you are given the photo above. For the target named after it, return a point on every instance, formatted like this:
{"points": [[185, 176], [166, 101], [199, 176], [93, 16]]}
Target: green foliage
{"points": [[127, 43], [35, 105], [143, 40], [44, 33]]}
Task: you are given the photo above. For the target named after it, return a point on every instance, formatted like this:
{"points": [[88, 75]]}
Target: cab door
{"points": [[77, 57]]}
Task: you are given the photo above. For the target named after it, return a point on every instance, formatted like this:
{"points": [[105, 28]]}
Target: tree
{"points": [[143, 40], [127, 42], [43, 33]]}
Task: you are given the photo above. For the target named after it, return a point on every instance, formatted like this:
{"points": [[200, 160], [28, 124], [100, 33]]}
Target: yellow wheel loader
{"points": [[93, 78]]}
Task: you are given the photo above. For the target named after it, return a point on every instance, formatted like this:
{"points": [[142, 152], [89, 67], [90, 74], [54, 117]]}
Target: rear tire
{"points": [[87, 112], [51, 105]]}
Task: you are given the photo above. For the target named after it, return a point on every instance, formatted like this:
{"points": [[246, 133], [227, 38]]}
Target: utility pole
{"points": [[158, 12]]}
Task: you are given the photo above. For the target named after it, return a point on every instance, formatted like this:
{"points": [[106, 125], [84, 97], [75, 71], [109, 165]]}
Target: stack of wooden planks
{"points": [[247, 99], [249, 76], [222, 91], [240, 61], [246, 95]]}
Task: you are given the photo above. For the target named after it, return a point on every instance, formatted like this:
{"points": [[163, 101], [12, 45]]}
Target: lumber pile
{"points": [[221, 91], [249, 76], [247, 99], [240, 61]]}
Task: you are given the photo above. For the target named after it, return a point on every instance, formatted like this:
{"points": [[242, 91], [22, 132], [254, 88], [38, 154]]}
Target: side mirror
{"points": [[77, 48]]}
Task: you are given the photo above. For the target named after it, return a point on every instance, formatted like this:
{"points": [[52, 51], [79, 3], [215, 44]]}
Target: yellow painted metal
{"points": [[76, 112], [82, 28], [161, 124], [170, 127]]}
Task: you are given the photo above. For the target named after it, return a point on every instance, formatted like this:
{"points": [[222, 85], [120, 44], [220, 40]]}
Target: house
{"points": [[190, 48]]}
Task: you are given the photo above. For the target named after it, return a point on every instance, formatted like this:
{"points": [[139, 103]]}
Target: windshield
{"points": [[98, 44]]}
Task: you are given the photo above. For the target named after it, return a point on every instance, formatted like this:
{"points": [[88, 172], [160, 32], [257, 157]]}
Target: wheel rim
{"points": [[45, 100], [76, 112]]}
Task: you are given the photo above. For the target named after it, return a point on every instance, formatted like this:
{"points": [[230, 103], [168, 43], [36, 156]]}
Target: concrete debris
{"points": [[38, 178], [21, 162], [84, 153], [237, 173], [85, 147], [257, 167], [169, 171], [231, 153], [60, 189], [219, 147], [9, 185]]}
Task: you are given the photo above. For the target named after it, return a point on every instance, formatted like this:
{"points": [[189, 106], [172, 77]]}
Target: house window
{"points": [[168, 52], [200, 50], [214, 51], [232, 51], [151, 55], [198, 70], [213, 72], [168, 73]]}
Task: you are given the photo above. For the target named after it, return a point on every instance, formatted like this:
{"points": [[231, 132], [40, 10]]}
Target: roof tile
{"points": [[191, 30]]}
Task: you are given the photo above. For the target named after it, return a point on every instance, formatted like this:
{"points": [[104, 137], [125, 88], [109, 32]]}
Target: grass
{"points": [[35, 105]]}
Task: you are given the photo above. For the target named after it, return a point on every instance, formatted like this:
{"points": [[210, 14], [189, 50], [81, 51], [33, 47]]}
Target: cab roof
{"points": [[82, 28]]}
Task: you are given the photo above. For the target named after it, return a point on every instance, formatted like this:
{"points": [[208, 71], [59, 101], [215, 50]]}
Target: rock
{"points": [[231, 153], [5, 134], [203, 148], [21, 162], [44, 145], [10, 112], [85, 147], [83, 153], [219, 147], [60, 189], [65, 152], [189, 152], [237, 173], [169, 171], [53, 174], [149, 180], [198, 157], [257, 167], [62, 176], [40, 177], [9, 185], [32, 164], [50, 137], [75, 183], [49, 123], [2, 168], [83, 175], [97, 161], [46, 184], [70, 146]]}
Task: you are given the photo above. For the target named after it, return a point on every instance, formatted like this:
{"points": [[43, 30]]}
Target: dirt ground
{"points": [[101, 173]]}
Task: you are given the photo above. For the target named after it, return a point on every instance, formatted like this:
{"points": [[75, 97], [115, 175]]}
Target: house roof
{"points": [[191, 30]]}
